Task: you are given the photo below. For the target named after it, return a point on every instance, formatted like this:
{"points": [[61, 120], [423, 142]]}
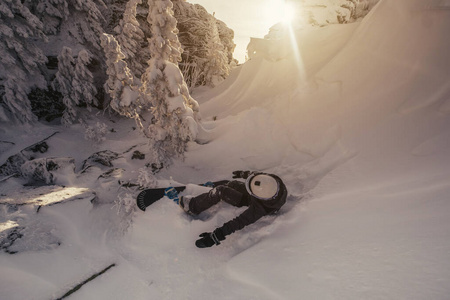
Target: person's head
{"points": [[262, 186]]}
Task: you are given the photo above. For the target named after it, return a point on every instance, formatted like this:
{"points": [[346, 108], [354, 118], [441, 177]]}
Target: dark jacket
{"points": [[256, 208]]}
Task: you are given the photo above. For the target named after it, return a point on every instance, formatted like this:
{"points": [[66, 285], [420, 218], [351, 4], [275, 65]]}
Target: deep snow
{"points": [[360, 134]]}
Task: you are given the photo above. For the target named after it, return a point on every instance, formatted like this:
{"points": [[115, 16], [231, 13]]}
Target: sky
{"points": [[249, 18]]}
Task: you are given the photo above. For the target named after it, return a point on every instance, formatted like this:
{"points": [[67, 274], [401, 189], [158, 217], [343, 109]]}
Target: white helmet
{"points": [[262, 186]]}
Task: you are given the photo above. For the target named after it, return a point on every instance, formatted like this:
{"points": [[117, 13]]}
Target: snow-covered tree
{"points": [[130, 38], [192, 37], [90, 30], [216, 65], [50, 12], [205, 58], [63, 84], [20, 59], [84, 90], [83, 19], [325, 12], [121, 85], [174, 123], [226, 36]]}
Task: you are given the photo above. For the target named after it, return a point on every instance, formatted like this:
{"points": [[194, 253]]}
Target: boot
{"points": [[184, 203]]}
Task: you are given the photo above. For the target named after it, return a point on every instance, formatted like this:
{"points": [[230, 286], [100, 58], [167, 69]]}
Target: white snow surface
{"points": [[356, 123]]}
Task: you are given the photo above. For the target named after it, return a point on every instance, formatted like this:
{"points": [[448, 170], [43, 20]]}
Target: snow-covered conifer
{"points": [[50, 12], [63, 84], [120, 85], [205, 58], [163, 85], [192, 37], [82, 83], [226, 36], [20, 59], [130, 38], [325, 12], [86, 21], [83, 19], [216, 67]]}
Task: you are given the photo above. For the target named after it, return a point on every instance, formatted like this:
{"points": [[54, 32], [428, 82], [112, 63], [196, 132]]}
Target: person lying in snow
{"points": [[263, 194]]}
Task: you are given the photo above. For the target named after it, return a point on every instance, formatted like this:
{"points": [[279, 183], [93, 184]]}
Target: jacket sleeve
{"points": [[253, 213]]}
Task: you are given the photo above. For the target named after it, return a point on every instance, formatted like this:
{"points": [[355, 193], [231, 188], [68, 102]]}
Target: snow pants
{"points": [[234, 193]]}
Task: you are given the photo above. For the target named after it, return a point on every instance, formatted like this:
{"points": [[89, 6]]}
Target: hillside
{"points": [[356, 122]]}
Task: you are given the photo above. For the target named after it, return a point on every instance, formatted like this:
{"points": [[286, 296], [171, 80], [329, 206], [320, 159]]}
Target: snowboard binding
{"points": [[172, 194]]}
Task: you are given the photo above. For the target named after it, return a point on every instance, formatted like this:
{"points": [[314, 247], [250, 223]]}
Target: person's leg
{"points": [[204, 201], [240, 187], [200, 203]]}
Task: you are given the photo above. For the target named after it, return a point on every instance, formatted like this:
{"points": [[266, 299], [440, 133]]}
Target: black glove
{"points": [[209, 239], [241, 174]]}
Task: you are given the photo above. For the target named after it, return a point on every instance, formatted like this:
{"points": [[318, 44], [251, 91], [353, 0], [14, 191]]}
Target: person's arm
{"points": [[242, 174], [252, 214], [249, 216]]}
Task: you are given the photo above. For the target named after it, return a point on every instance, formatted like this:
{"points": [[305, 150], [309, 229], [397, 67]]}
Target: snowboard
{"points": [[149, 196]]}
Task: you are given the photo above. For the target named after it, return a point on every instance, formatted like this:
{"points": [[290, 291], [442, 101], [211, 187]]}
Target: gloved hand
{"points": [[241, 174], [209, 239]]}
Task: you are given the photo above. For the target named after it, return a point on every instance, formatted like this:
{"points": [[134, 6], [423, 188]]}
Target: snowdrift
{"points": [[362, 109], [376, 86]]}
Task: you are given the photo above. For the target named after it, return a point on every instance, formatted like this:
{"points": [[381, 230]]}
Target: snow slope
{"points": [[377, 226], [358, 128]]}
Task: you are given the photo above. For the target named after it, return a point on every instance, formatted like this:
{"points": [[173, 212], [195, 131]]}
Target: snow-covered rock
{"points": [[49, 170], [22, 226], [101, 158]]}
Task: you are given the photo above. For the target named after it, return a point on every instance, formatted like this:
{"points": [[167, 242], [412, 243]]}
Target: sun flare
{"points": [[277, 11], [288, 12]]}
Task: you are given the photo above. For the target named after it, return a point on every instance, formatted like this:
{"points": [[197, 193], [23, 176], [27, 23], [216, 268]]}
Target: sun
{"points": [[277, 11], [288, 12]]}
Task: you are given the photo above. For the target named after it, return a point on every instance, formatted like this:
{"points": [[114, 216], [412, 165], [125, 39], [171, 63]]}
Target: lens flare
{"points": [[277, 11], [297, 54], [288, 13]]}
